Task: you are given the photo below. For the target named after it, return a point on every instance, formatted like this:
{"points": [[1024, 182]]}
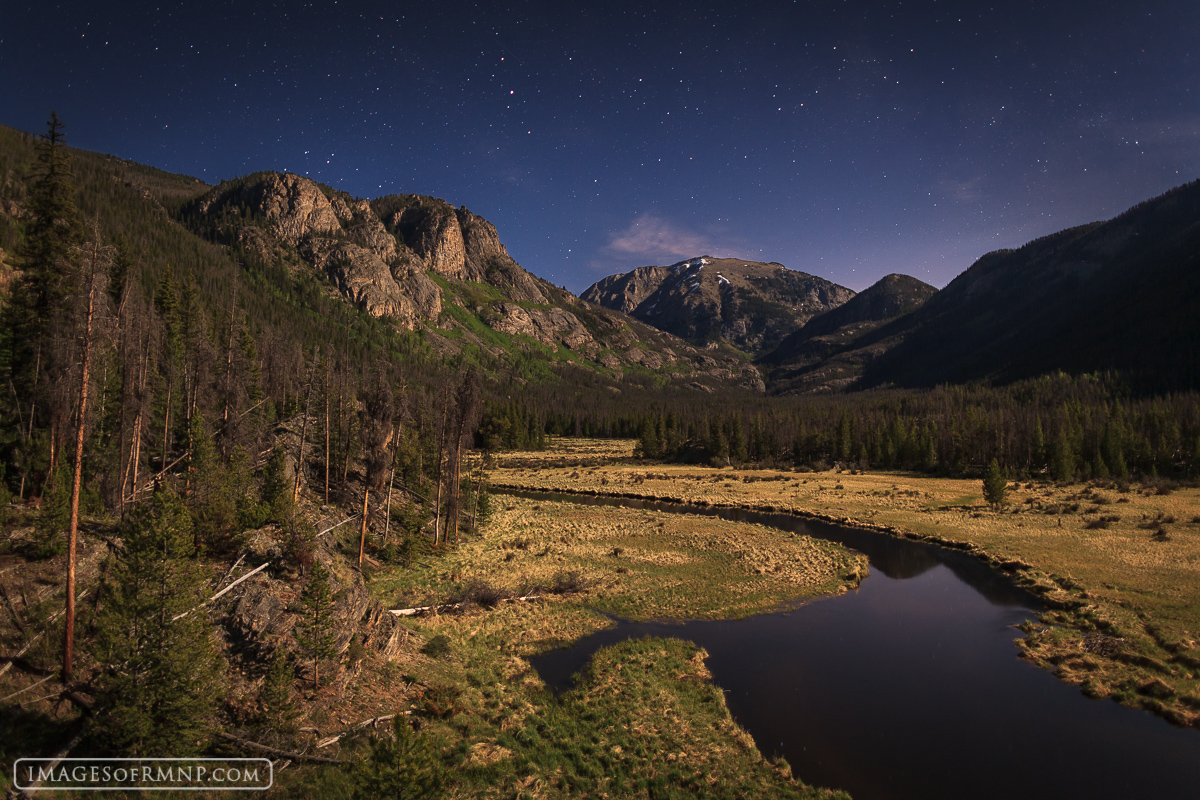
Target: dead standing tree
{"points": [[376, 422], [466, 419], [96, 259]]}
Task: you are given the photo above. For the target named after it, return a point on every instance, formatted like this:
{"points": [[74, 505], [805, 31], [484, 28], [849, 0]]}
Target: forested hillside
{"points": [[1120, 296]]}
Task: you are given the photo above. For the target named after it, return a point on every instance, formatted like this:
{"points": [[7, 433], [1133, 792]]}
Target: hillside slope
{"points": [[424, 264], [1121, 295], [831, 351], [314, 266]]}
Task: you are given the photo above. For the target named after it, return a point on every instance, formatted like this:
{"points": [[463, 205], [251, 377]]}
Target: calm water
{"points": [[911, 686]]}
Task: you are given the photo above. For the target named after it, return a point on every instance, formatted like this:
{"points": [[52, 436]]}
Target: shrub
{"points": [[567, 583], [479, 592]]}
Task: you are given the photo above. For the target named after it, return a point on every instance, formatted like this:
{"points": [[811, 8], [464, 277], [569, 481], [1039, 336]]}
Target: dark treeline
{"points": [[1058, 426]]}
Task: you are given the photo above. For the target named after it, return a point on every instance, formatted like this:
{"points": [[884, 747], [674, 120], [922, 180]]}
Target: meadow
{"points": [[1117, 564]]}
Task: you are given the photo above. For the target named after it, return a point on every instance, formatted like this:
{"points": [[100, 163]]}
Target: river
{"points": [[911, 686]]}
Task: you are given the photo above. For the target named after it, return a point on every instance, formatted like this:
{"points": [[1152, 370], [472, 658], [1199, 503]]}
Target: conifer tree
{"points": [[995, 485], [49, 258], [404, 767], [377, 417], [1062, 457], [316, 635], [213, 497], [276, 707], [165, 675], [275, 495]]}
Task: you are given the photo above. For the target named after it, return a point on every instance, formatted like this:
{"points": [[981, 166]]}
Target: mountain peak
{"points": [[749, 304]]}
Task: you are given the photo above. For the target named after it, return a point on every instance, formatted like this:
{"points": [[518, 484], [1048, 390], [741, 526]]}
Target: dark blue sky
{"points": [[846, 139]]}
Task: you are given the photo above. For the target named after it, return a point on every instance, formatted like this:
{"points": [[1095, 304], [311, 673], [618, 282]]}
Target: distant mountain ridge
{"points": [[1118, 296], [832, 349], [749, 304]]}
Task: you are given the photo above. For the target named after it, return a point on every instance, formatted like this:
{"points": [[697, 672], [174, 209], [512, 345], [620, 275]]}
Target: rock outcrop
{"points": [[422, 262]]}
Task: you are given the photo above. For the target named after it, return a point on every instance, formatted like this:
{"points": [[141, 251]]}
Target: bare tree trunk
{"points": [[475, 505], [229, 353], [387, 514], [468, 489], [455, 488], [77, 480], [304, 429], [135, 455], [362, 537], [327, 454], [138, 422], [437, 519], [345, 440], [53, 451], [167, 424]]}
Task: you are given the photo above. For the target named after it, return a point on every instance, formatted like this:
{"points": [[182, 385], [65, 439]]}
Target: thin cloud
{"points": [[968, 191], [651, 240]]}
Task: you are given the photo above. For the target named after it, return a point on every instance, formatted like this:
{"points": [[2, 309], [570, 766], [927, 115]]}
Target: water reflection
{"points": [[910, 687]]}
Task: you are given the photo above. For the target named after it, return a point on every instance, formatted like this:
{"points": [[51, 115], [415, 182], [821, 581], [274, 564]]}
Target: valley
{"points": [[378, 470]]}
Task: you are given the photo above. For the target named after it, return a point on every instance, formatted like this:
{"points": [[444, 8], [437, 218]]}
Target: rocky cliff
{"points": [[750, 305], [423, 263]]}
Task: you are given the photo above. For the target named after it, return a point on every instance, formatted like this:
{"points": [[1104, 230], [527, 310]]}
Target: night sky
{"points": [[846, 139]]}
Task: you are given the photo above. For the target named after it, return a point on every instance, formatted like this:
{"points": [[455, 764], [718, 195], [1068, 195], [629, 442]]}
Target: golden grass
{"points": [[1132, 581], [633, 564]]}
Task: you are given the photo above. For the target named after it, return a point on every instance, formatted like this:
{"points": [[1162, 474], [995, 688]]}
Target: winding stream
{"points": [[911, 686]]}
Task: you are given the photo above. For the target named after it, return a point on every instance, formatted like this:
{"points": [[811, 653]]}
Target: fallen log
{"points": [[35, 639], [373, 722], [271, 751], [251, 573], [27, 688], [408, 612]]}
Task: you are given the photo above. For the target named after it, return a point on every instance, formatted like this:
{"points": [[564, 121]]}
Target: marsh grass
{"points": [[645, 719]]}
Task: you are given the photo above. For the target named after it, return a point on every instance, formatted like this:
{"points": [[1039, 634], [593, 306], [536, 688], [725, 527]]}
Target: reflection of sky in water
{"points": [[911, 687]]}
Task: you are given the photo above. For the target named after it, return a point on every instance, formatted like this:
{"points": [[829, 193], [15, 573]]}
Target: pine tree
{"points": [[37, 333], [316, 635], [276, 496], [158, 698], [276, 708], [48, 539], [404, 767], [995, 485], [213, 497], [1062, 457], [49, 258], [377, 414]]}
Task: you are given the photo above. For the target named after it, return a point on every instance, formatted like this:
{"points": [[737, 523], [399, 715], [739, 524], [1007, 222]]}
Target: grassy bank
{"points": [[1117, 565], [645, 716]]}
